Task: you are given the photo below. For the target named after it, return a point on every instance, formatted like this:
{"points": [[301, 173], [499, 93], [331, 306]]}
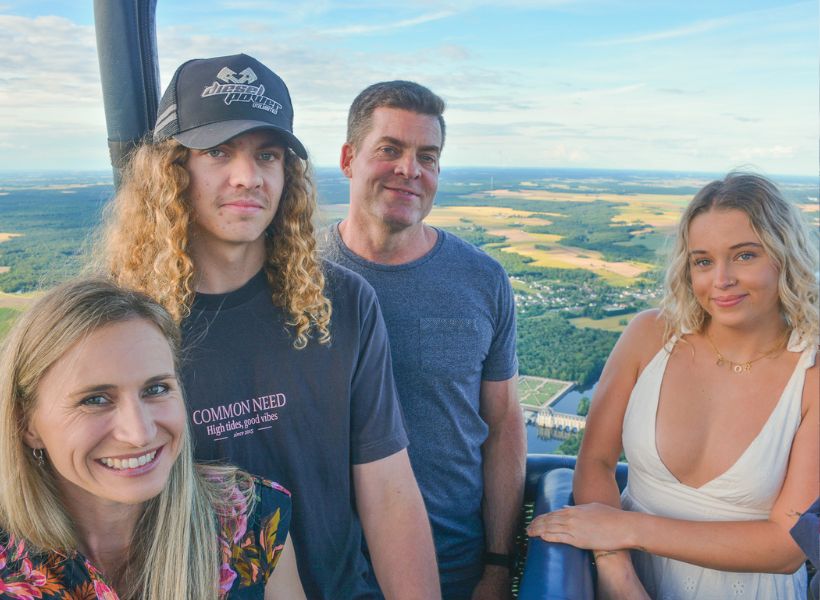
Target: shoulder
{"points": [[483, 267], [644, 336], [270, 493], [340, 279], [647, 323], [254, 531], [811, 388], [26, 569]]}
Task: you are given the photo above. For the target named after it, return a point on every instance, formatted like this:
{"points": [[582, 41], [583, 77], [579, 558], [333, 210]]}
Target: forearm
{"points": [[594, 481], [401, 548], [505, 456], [396, 528], [746, 546]]}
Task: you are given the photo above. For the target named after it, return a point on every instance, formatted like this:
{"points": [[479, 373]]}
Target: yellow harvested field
{"points": [[653, 209], [18, 301], [577, 258], [662, 212], [516, 235], [7, 236], [543, 195], [607, 323], [486, 216]]}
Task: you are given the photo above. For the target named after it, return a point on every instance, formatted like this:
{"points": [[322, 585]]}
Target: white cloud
{"points": [[685, 31], [381, 27], [58, 69], [612, 91], [775, 151], [562, 153]]}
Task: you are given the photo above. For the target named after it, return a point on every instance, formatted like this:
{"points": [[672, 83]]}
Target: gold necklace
{"points": [[744, 366]]}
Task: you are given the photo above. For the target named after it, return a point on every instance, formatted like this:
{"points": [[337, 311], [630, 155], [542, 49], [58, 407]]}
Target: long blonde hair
{"points": [[785, 236], [174, 551], [144, 241]]}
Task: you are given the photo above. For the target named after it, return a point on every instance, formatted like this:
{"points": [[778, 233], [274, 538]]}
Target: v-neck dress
{"points": [[744, 492]]}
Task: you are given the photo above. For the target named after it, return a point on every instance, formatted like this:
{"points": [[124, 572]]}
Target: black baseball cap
{"points": [[211, 100]]}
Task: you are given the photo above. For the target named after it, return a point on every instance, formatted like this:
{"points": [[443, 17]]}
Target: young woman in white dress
{"points": [[714, 400]]}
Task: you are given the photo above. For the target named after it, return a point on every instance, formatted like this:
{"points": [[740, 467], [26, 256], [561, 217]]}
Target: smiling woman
{"points": [[100, 494], [714, 400]]}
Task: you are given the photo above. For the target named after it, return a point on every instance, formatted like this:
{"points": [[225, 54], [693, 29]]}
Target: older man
{"points": [[451, 322]]}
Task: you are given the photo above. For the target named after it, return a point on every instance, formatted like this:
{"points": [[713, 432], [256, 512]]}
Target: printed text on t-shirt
{"points": [[243, 417]]}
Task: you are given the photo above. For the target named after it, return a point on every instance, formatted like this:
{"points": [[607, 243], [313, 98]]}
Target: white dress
{"points": [[746, 491]]}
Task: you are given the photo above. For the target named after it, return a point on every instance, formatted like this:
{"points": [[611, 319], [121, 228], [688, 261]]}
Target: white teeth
{"points": [[128, 463]]}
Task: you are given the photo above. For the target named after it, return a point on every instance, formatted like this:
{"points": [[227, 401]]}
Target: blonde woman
{"points": [[714, 400], [100, 497]]}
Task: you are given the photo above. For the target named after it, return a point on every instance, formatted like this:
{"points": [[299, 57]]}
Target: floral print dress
{"points": [[249, 545]]}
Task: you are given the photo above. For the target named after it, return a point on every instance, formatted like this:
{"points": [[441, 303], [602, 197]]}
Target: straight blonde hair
{"points": [[174, 549]]}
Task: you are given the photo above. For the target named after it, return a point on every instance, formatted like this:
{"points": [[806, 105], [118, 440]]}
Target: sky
{"points": [[695, 85]]}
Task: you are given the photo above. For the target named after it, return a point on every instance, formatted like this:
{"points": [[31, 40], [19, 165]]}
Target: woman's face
{"points": [[110, 416], [733, 278]]}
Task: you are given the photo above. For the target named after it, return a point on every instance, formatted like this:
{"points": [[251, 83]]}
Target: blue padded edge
{"points": [[555, 571]]}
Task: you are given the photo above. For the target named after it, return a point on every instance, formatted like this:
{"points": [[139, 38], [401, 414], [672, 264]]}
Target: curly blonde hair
{"points": [[145, 236], [785, 236]]}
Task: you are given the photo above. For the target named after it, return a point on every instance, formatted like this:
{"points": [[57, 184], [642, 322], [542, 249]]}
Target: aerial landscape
{"points": [[584, 250], [576, 132], [376, 401]]}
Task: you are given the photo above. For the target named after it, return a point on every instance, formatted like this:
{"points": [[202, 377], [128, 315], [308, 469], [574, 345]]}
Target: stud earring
{"points": [[39, 456]]}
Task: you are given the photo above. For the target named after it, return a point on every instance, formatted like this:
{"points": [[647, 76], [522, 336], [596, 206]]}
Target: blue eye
{"points": [[215, 153], [270, 156], [701, 262], [97, 400], [746, 256], [156, 389]]}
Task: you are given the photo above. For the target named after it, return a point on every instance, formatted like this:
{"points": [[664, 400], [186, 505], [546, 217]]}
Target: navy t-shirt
{"points": [[450, 316], [299, 417]]}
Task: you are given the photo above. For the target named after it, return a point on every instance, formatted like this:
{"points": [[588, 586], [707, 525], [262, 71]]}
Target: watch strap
{"points": [[500, 560]]}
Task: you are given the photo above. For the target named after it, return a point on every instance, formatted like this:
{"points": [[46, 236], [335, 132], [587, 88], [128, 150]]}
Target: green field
{"points": [[535, 392]]}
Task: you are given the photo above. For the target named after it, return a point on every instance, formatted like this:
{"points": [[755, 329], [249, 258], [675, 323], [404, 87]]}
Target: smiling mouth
{"points": [[728, 300], [402, 191], [122, 464]]}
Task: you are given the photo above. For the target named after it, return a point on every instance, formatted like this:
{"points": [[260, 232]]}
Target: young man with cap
{"points": [[451, 321], [286, 364]]}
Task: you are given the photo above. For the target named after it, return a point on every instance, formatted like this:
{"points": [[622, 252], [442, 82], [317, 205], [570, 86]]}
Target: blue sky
{"points": [[627, 84]]}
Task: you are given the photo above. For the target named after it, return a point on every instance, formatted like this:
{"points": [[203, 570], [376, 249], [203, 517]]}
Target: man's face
{"points": [[394, 170], [235, 189]]}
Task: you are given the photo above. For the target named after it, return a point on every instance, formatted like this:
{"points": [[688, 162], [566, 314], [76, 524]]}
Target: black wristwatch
{"points": [[500, 560]]}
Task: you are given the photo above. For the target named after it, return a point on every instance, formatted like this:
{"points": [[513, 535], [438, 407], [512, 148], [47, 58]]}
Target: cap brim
{"points": [[214, 134]]}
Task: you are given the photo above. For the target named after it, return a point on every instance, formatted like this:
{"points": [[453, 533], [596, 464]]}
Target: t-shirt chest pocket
{"points": [[448, 345]]}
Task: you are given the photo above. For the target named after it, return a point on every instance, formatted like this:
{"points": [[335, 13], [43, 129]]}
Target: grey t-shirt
{"points": [[450, 318], [299, 417]]}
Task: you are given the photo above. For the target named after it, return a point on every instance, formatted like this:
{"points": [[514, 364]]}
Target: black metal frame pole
{"points": [[129, 73]]}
